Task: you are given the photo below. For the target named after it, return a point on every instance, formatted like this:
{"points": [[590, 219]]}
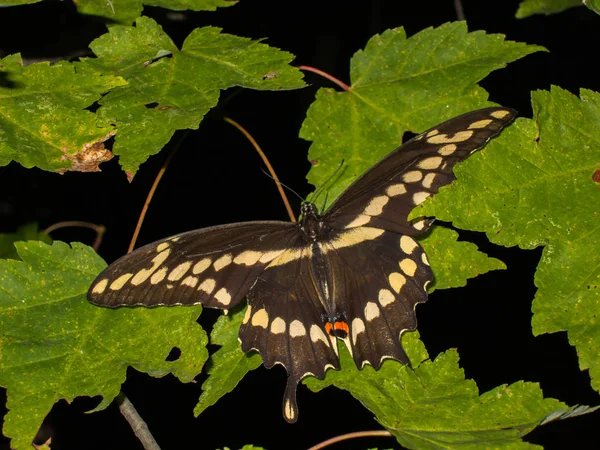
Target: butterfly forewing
{"points": [[213, 266], [384, 196]]}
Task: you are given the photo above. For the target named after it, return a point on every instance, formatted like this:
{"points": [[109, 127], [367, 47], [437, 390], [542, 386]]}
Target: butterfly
{"points": [[354, 272]]}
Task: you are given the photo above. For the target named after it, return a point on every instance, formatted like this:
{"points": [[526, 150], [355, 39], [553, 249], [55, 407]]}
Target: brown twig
{"points": [[340, 83], [267, 163], [159, 176], [355, 435], [460, 13], [139, 427], [99, 229]]}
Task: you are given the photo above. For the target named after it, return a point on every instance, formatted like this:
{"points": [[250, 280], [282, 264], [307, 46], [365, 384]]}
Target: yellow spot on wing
{"points": [[355, 236], [371, 311], [162, 247], [420, 197], [413, 176], [397, 280], [480, 124], [447, 149], [500, 114], [428, 180], [278, 326], [408, 244], [290, 255], [190, 281], [375, 206], [424, 259], [396, 189], [207, 285], [445, 139], [386, 297], [408, 266], [179, 271], [297, 329], [223, 296], [120, 282], [358, 326], [317, 334], [201, 266], [430, 163], [100, 286], [223, 261], [248, 258], [260, 318], [247, 315], [158, 276], [267, 257], [359, 221]]}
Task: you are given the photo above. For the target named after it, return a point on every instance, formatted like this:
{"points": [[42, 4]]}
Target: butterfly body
{"points": [[354, 273]]}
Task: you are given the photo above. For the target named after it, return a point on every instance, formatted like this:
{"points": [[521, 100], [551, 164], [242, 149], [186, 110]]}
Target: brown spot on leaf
{"points": [[314, 162], [89, 158], [596, 176], [270, 75]]}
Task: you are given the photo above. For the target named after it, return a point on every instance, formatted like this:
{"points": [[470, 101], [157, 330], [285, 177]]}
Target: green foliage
{"points": [[433, 406], [150, 95], [544, 194], [594, 5], [530, 7], [228, 365], [27, 232], [400, 84], [55, 345]]}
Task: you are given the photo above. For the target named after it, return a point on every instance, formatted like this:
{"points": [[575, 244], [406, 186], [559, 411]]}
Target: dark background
{"points": [[216, 178]]}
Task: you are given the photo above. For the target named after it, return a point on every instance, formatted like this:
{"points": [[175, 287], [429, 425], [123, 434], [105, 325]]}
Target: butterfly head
{"points": [[310, 222]]}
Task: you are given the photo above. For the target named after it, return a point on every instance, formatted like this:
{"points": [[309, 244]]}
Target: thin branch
{"points": [[267, 163], [340, 83], [139, 427], [355, 435], [460, 13], [159, 176], [99, 229]]}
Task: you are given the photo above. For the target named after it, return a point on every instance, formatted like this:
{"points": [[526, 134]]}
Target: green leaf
{"points": [[126, 11], [43, 122], [594, 5], [400, 84], [454, 262], [433, 406], [55, 345], [170, 89], [535, 185], [530, 7], [228, 365], [27, 232]]}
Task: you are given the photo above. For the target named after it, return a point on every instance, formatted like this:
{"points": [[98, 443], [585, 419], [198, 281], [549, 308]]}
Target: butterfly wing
{"points": [[213, 266], [384, 196], [285, 323]]}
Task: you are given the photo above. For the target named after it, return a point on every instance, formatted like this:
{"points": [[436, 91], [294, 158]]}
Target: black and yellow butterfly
{"points": [[354, 272]]}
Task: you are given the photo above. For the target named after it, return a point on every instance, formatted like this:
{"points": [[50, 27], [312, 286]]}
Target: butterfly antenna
{"points": [[324, 185], [283, 184]]}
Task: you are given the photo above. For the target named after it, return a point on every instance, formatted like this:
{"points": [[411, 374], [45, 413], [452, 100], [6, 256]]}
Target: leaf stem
{"points": [[355, 435], [139, 427], [267, 163], [340, 83], [99, 229], [460, 13], [159, 176]]}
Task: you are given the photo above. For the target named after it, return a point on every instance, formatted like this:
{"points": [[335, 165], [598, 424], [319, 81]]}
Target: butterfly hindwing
{"points": [[384, 196], [380, 280], [285, 323], [213, 266]]}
